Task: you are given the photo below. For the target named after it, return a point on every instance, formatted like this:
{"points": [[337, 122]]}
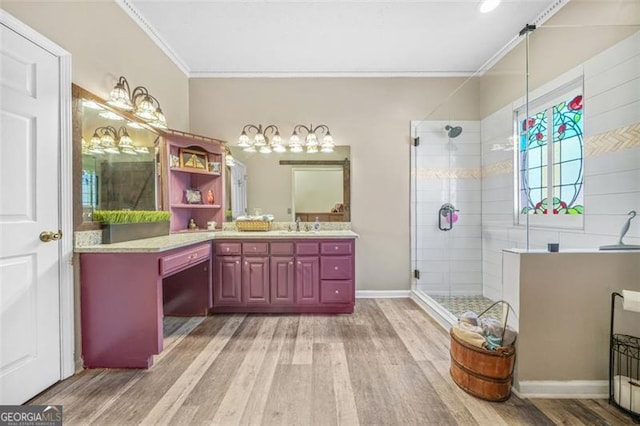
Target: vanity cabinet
{"points": [[300, 275], [194, 172]]}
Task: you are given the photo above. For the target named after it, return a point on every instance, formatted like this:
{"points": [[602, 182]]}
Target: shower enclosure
{"points": [[510, 160]]}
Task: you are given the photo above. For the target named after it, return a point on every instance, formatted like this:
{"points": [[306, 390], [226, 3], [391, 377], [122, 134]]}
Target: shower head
{"points": [[453, 132]]}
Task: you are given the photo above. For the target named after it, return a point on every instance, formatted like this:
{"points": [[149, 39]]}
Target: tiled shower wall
{"points": [[447, 171], [611, 173]]}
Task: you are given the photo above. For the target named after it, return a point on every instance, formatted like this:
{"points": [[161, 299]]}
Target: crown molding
{"points": [[321, 74], [136, 16]]}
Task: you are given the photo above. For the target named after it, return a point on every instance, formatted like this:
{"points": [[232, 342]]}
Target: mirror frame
{"points": [[346, 178], [77, 94]]}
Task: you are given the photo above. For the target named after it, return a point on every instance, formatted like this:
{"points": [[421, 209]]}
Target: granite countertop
{"points": [[182, 239]]}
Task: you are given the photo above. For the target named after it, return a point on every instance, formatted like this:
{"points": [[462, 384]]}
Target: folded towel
{"points": [[474, 339]]}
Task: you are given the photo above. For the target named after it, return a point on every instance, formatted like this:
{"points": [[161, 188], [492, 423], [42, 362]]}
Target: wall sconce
{"points": [[261, 141], [107, 139], [139, 101], [311, 140]]}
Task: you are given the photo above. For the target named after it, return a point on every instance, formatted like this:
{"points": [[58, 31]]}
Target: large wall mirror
{"points": [[291, 185], [116, 160]]}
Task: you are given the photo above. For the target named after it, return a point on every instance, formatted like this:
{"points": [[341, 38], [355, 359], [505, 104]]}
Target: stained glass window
{"points": [[551, 173]]}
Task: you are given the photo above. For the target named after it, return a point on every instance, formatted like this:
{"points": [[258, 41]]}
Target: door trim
{"points": [[65, 271]]}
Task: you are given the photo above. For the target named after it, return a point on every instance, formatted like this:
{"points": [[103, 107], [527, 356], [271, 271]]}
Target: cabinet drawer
{"points": [[336, 268], [255, 248], [281, 248], [338, 247], [228, 248], [177, 261], [336, 291], [307, 248]]}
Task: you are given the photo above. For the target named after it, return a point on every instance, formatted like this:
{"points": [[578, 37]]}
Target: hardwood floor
{"points": [[386, 364]]}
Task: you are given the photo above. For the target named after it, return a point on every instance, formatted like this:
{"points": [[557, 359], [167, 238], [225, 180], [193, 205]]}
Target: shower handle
{"points": [[446, 210]]}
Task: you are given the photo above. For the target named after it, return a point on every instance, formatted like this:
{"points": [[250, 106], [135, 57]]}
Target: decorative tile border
{"points": [[448, 173], [612, 141], [501, 168]]}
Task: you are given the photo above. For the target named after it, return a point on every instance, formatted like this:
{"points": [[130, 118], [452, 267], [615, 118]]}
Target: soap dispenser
{"points": [[316, 225]]}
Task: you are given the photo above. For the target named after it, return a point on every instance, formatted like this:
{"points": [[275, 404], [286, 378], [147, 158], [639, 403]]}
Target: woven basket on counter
{"points": [[253, 225]]}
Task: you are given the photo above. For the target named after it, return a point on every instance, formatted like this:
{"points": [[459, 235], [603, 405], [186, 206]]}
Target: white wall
{"points": [[612, 164], [447, 171]]}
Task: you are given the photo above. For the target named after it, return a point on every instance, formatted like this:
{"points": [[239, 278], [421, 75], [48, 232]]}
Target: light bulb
{"points": [[295, 148], [266, 149], [279, 148], [312, 149]]}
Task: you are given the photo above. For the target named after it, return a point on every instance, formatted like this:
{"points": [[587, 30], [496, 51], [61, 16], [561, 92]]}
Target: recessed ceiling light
{"points": [[488, 5]]}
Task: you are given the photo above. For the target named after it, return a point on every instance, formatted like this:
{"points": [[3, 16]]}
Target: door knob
{"points": [[47, 236]]}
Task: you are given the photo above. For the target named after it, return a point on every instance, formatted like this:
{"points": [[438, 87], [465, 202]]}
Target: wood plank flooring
{"points": [[387, 364]]}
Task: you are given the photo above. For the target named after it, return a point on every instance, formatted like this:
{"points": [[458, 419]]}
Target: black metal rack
{"points": [[624, 368]]}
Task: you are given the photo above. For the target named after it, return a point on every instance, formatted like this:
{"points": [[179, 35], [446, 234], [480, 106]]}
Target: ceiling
{"points": [[267, 38]]}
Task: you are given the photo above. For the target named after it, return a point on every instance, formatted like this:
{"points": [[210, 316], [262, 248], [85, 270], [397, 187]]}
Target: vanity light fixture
{"points": [[107, 139], [311, 142], [140, 101], [261, 141]]}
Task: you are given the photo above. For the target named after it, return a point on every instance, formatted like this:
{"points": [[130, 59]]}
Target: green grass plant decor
{"points": [[130, 216]]}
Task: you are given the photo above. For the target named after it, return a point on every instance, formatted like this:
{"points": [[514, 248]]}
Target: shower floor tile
{"points": [[458, 305]]}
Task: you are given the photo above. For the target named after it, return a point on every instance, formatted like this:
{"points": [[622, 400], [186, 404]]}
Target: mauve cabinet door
{"points": [[307, 280], [227, 281], [255, 280], [281, 270]]}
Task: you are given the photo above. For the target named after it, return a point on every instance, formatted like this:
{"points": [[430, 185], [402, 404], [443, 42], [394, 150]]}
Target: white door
{"points": [[238, 189], [29, 204]]}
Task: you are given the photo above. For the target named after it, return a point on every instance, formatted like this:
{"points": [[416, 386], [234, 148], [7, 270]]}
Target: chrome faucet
{"points": [[298, 224]]}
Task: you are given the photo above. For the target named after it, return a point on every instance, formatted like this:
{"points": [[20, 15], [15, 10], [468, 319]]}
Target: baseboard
{"points": [[443, 317], [381, 294], [574, 389]]}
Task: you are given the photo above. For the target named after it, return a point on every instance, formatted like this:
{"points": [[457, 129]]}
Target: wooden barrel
{"points": [[482, 373]]}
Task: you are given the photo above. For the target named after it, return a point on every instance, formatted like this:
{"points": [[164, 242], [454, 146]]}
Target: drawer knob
{"points": [[237, 262], [299, 263], [290, 263], [227, 248], [335, 268], [255, 248], [337, 292], [335, 248]]}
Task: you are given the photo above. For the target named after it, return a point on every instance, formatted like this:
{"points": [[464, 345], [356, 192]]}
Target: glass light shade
{"points": [[326, 148], [294, 140], [312, 140], [327, 140], [229, 160], [141, 149], [125, 141], [244, 141], [280, 148], [119, 98], [295, 148], [312, 149], [96, 147], [84, 146], [146, 109], [259, 140], [266, 149], [160, 121], [250, 148], [107, 140]]}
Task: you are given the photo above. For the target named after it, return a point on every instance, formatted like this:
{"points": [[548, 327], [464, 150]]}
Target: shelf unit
{"points": [[179, 179]]}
